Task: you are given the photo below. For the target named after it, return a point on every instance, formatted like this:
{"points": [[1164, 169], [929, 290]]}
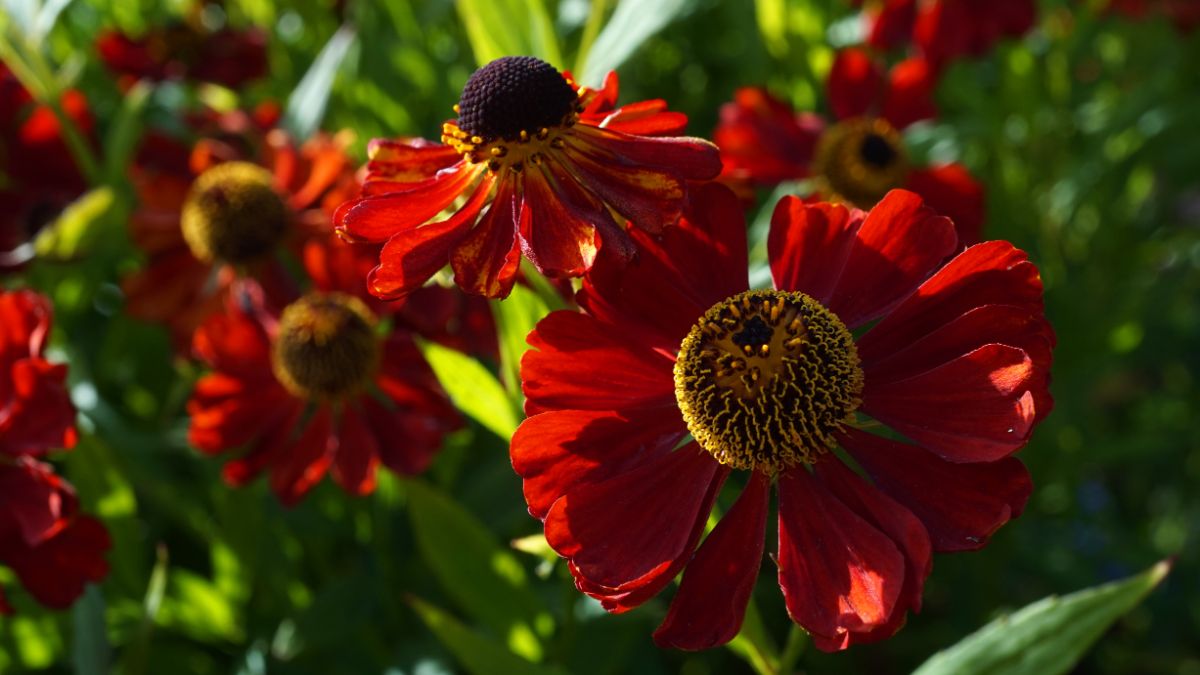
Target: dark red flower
{"points": [[186, 51], [53, 549], [317, 388], [35, 409], [889, 22], [554, 161], [38, 176], [858, 157], [955, 361], [945, 30], [1185, 14], [228, 213]]}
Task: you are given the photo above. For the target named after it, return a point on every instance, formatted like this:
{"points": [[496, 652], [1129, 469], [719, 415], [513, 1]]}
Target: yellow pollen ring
{"points": [[326, 347], [860, 160], [527, 147], [765, 378]]}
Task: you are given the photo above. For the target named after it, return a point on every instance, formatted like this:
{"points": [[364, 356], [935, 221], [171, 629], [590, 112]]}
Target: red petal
{"points": [[762, 139], [413, 434], [555, 238], [395, 207], [693, 159], [34, 503], [950, 190], [407, 159], [909, 96], [227, 412], [645, 118], [412, 256], [305, 461], [485, 261], [891, 27], [636, 524], [838, 573], [961, 505], [809, 244], [38, 414], [578, 363], [56, 571], [900, 242], [357, 454], [557, 450], [976, 408], [855, 84], [235, 344], [25, 319], [711, 602]]}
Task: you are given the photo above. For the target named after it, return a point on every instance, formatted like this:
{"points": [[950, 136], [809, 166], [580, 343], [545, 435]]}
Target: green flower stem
{"points": [[796, 641]]}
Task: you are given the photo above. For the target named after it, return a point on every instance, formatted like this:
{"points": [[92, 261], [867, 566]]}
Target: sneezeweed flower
{"points": [[53, 550], [38, 176], [328, 385], [942, 31], [867, 326], [186, 51], [858, 156], [229, 214], [551, 162]]}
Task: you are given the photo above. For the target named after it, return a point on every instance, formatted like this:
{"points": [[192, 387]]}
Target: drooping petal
{"points": [[407, 160], [307, 459], [38, 413], [385, 212], [557, 450], [763, 140], [909, 94], [809, 244], [555, 238], [637, 523], [485, 260], [961, 505], [56, 571], [717, 584], [839, 574], [855, 84], [34, 503], [357, 454], [228, 412], [645, 118], [25, 319], [235, 344], [976, 408], [952, 191]]}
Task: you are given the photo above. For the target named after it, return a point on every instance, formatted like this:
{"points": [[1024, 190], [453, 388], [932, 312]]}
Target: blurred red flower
{"points": [[956, 360], [554, 160], [1185, 14], [186, 51], [38, 176], [226, 210], [858, 157], [53, 550], [944, 30], [317, 388]]}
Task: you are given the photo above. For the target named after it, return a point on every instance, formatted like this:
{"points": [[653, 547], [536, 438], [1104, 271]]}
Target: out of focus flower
{"points": [[53, 550], [226, 213], [551, 161], [186, 51], [945, 30], [860, 155], [329, 385], [38, 176], [1185, 14], [769, 382]]}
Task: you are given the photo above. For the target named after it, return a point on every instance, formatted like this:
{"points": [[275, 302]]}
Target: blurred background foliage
{"points": [[1084, 133]]}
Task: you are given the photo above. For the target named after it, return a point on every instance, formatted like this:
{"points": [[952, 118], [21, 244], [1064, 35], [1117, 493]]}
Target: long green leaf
{"points": [[473, 389], [516, 315], [90, 650], [495, 28], [484, 578], [633, 22], [306, 105], [479, 654], [1049, 636]]}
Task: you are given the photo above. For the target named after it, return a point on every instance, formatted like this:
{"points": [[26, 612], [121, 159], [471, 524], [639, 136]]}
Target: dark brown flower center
{"points": [[514, 94], [861, 159], [326, 347], [765, 378], [233, 214]]}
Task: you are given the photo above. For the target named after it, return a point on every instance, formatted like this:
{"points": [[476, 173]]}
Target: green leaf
{"points": [[494, 29], [482, 577], [306, 105], [90, 650], [77, 227], [515, 317], [754, 644], [195, 607], [125, 132], [772, 23], [633, 22], [1049, 636], [473, 389], [479, 654]]}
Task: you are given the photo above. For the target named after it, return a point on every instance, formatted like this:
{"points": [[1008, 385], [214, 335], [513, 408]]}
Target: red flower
{"points": [[35, 409], [1185, 14], [944, 30], [956, 360], [889, 22], [37, 173], [53, 549], [860, 156], [186, 51], [317, 388], [219, 217], [555, 162]]}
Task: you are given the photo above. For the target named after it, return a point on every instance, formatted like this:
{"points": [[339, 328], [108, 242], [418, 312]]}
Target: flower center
{"points": [[326, 347], [765, 378], [232, 213], [510, 112], [861, 159]]}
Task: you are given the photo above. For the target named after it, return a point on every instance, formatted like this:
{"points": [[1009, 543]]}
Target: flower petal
{"points": [[227, 412], [952, 191], [395, 207], [809, 244], [56, 571], [38, 413], [763, 140], [485, 261], [307, 458], [976, 408], [961, 505], [909, 94], [717, 584], [855, 84], [838, 573], [357, 455], [555, 238]]}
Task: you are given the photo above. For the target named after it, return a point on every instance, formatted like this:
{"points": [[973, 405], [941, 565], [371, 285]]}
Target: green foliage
{"points": [[473, 388], [478, 653]]}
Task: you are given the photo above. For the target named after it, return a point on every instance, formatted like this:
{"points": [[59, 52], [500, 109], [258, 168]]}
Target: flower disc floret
{"points": [[233, 214], [514, 94], [862, 159], [326, 347], [765, 378]]}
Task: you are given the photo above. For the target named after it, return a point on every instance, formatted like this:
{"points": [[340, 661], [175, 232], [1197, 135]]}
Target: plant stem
{"points": [[796, 641]]}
